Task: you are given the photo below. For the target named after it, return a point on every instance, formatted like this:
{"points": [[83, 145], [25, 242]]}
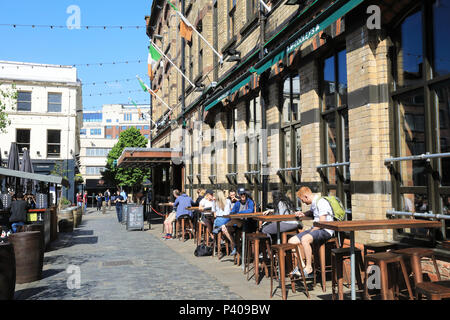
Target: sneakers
{"points": [[168, 237], [296, 272]]}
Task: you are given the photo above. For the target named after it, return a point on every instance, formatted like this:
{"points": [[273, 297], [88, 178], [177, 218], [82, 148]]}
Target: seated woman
{"points": [[281, 205], [222, 207]]}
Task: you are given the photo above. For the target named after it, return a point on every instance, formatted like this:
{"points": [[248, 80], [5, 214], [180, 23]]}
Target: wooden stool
{"points": [[383, 259], [379, 247], [218, 244], [181, 230], [279, 252], [284, 235], [415, 255], [203, 233], [338, 256], [437, 290], [320, 254], [252, 244]]}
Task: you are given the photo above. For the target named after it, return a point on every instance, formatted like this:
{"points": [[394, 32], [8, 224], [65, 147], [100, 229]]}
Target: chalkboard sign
{"points": [[135, 219], [6, 200], [41, 201], [124, 213]]}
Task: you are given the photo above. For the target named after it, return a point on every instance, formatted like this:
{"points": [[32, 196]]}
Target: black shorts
{"points": [[319, 236]]}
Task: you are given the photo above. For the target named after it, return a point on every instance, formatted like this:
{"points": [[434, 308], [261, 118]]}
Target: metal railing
{"points": [[425, 156], [417, 214], [288, 169], [336, 164]]}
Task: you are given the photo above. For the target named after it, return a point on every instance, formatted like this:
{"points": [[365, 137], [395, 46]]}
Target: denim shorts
{"points": [[319, 236]]}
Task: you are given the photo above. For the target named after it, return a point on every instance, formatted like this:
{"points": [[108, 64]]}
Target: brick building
{"points": [[336, 99]]}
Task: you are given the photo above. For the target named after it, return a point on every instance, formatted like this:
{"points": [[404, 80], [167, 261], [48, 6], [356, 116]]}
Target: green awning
{"points": [[229, 92]]}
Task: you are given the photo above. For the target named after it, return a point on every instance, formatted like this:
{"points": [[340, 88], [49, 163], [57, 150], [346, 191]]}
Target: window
{"points": [[94, 171], [54, 102], [232, 141], [290, 134], [139, 127], [190, 62], [53, 143], [146, 127], [108, 136], [23, 139], [231, 20], [420, 114], [213, 151], [252, 7], [108, 120], [334, 127], [23, 101], [146, 136], [96, 132], [92, 117], [83, 132], [97, 152], [215, 40], [124, 127], [127, 116], [108, 127], [254, 146]]}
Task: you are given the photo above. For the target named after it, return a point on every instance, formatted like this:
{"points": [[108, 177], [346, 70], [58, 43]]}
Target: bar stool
{"points": [[217, 243], [338, 255], [383, 260], [278, 256], [437, 290], [376, 247], [415, 255], [181, 227], [320, 255], [252, 244], [286, 234]]}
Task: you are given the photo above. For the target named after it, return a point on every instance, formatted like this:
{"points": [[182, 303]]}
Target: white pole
{"points": [[153, 93], [265, 5], [162, 53]]}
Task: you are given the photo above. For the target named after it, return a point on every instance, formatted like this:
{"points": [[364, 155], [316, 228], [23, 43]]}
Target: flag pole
{"points": [[135, 104], [153, 93], [162, 53]]}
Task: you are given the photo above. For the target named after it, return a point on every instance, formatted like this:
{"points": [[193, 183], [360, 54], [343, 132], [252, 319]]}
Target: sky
{"points": [[63, 46]]}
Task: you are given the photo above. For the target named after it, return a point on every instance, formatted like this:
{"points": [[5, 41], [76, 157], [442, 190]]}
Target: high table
{"points": [[357, 225], [206, 212], [244, 216], [280, 218], [165, 206]]}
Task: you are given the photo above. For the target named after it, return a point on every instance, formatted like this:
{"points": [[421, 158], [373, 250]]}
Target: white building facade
{"points": [[47, 117], [100, 132]]}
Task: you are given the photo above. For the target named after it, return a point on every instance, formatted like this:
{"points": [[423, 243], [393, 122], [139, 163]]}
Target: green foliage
{"points": [[58, 170], [79, 178], [6, 97], [130, 138], [64, 201]]}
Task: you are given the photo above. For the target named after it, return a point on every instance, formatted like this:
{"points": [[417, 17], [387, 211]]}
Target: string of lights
{"points": [[111, 93], [35, 26], [106, 63], [106, 82]]}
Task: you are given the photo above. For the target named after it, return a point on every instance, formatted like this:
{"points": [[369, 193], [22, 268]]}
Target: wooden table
{"points": [[357, 225], [198, 226], [280, 218], [243, 216]]}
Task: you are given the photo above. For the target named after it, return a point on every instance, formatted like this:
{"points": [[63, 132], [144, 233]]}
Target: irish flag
{"points": [[153, 58]]}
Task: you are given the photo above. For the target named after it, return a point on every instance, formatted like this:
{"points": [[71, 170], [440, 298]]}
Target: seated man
{"points": [[168, 228], [321, 211], [19, 209], [181, 203], [244, 205]]}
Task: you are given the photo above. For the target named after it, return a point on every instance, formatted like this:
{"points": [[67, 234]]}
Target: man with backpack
{"points": [[321, 210]]}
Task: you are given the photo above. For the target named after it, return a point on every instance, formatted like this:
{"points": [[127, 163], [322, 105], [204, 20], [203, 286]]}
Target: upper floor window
{"points": [[231, 18], [82, 132], [96, 132], [24, 101], [108, 120], [252, 6], [97, 152], [54, 102], [23, 139], [93, 117], [53, 143], [127, 116]]}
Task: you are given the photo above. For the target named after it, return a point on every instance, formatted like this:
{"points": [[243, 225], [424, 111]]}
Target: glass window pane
{"points": [[329, 84], [346, 169], [443, 100], [332, 146], [298, 147], [24, 96], [410, 55], [441, 21], [23, 136], [24, 106], [53, 136], [295, 98], [54, 98], [287, 149], [342, 77], [286, 116]]}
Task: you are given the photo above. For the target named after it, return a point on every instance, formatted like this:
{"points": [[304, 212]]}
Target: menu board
{"points": [[41, 201], [6, 200], [135, 217]]}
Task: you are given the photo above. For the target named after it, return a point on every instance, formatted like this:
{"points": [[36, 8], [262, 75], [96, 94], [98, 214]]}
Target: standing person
{"points": [[85, 200], [282, 205], [168, 228], [124, 195], [108, 199], [321, 211], [99, 202], [79, 200], [244, 205], [19, 209], [119, 200]]}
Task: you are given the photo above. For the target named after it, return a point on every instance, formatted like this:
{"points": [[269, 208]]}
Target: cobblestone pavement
{"points": [[119, 264]]}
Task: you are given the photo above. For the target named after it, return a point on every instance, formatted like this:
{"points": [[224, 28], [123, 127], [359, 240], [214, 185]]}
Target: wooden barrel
{"points": [[77, 216], [7, 271], [65, 220], [53, 224], [27, 251], [74, 213], [40, 228]]}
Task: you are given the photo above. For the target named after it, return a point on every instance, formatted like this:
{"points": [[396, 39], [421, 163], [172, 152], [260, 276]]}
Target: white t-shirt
{"points": [[282, 209], [219, 212], [205, 203], [322, 208]]}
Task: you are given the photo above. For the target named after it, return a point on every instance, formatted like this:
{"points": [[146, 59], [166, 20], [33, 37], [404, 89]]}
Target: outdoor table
{"points": [[357, 225], [207, 212], [243, 216], [279, 218]]}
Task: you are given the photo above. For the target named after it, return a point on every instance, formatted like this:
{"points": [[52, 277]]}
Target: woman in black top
{"points": [[19, 209]]}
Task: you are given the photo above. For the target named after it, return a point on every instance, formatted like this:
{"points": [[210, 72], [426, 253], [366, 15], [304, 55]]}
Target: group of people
{"points": [[223, 206]]}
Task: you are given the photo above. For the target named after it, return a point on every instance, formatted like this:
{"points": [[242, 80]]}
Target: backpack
{"points": [[336, 206], [203, 250]]}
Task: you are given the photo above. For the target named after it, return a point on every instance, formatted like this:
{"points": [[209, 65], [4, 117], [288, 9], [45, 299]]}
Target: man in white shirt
{"points": [[321, 211]]}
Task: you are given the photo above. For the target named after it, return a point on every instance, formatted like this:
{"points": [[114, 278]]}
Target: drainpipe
{"points": [[183, 90], [264, 171]]}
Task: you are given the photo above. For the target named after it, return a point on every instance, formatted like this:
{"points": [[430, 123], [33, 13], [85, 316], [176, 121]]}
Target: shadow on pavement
{"points": [[51, 272]]}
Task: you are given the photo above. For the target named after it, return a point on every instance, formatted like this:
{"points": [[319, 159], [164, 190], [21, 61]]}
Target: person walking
{"points": [[119, 201], [108, 199], [85, 200], [99, 201], [79, 200]]}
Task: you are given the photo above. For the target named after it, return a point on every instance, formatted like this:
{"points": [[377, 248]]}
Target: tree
{"points": [[130, 138], [6, 97]]}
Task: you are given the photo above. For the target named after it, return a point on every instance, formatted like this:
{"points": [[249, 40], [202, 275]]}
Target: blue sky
{"points": [[68, 47]]}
